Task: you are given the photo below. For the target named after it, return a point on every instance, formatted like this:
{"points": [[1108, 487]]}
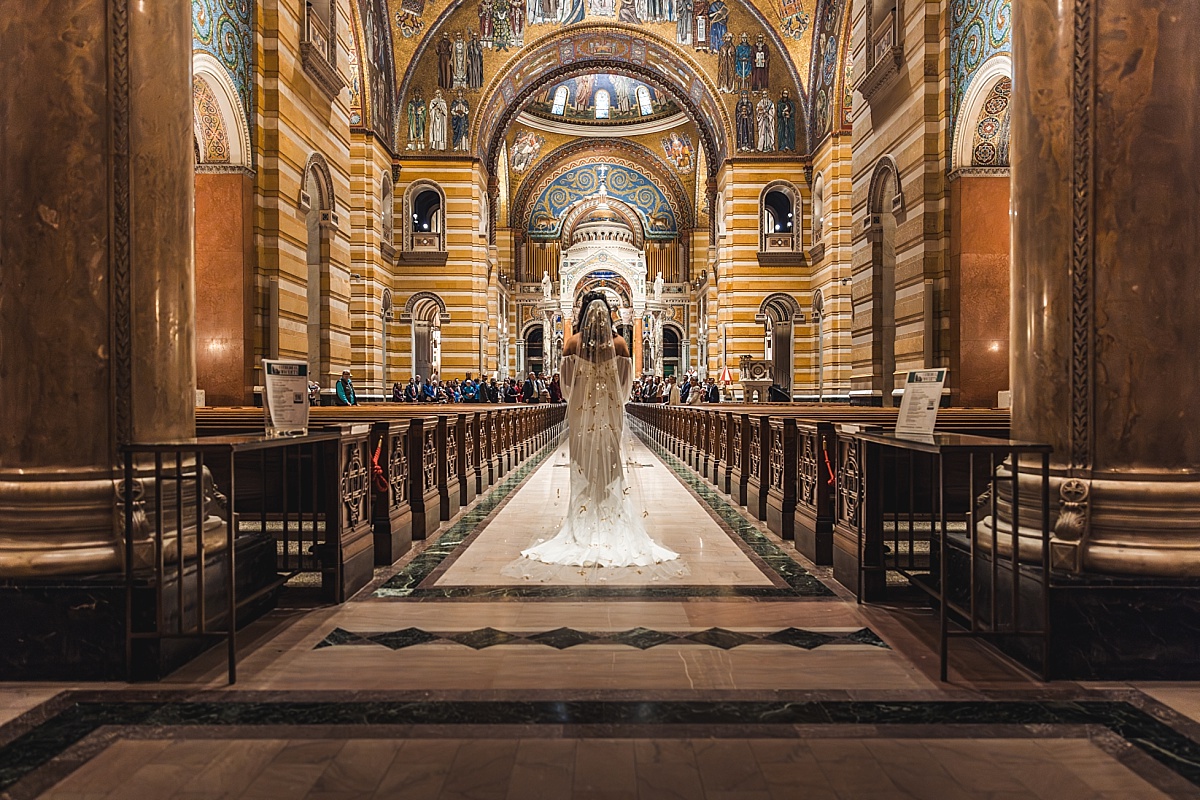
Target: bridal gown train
{"points": [[604, 526]]}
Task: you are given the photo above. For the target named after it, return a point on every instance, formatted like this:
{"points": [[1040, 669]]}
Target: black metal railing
{"points": [[183, 535], [951, 515]]}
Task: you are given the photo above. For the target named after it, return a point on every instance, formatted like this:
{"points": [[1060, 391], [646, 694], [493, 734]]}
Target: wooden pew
{"points": [[778, 460]]}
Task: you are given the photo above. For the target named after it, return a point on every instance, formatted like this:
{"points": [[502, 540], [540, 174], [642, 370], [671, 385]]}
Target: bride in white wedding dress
{"points": [[603, 526]]}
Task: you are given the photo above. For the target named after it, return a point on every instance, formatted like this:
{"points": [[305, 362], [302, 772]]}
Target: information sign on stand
{"points": [[919, 406], [285, 398]]}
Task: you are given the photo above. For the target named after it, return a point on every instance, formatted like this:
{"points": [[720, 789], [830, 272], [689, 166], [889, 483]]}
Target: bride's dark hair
{"points": [[587, 299]]}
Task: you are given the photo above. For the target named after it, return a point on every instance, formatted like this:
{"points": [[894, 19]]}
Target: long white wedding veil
{"points": [[597, 382]]}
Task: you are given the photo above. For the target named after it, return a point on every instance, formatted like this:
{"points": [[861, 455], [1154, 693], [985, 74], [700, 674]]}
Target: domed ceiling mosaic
{"points": [[602, 99]]}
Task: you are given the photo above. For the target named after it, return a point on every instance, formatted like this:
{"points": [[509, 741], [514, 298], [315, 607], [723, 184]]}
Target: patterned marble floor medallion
{"points": [[45, 746], [640, 638], [776, 575]]}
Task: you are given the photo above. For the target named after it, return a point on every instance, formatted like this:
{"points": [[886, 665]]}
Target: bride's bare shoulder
{"points": [[571, 346], [620, 346]]}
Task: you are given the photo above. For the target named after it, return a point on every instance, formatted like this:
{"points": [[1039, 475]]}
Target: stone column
{"points": [[1105, 284], [96, 294]]}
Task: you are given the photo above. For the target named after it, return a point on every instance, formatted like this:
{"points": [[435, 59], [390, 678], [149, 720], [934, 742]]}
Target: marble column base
{"points": [[58, 522], [1132, 524], [73, 628], [1101, 627]]}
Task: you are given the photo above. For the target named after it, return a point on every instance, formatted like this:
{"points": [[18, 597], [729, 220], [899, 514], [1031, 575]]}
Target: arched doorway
{"points": [[672, 350], [534, 348], [318, 222], [779, 314], [426, 313], [885, 200]]}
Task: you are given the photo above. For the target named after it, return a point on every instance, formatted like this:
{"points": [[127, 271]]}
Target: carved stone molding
{"points": [[883, 75], [783, 258], [979, 172], [1083, 98], [324, 75]]}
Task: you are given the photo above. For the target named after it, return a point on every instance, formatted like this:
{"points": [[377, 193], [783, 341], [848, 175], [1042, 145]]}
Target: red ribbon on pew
{"points": [[377, 476], [828, 466]]}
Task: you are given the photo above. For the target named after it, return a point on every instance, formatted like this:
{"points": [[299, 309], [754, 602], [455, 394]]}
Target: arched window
{"points": [[644, 105], [602, 104], [777, 218], [560, 101], [818, 208], [386, 211], [424, 218]]}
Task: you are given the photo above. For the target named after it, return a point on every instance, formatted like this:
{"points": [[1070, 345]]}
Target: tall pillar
{"points": [[1105, 287], [96, 295]]}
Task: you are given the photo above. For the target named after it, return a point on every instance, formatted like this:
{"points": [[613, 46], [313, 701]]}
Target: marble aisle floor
{"points": [[752, 676], [676, 519]]}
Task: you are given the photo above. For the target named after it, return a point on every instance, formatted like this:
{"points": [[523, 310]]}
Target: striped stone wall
{"points": [[907, 122]]}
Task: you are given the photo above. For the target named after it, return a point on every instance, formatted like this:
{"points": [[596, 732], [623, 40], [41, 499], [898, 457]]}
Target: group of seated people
{"points": [[480, 390], [690, 390]]}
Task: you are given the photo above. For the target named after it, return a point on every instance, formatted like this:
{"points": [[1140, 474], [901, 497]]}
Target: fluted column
{"points": [[96, 295], [1106, 274]]}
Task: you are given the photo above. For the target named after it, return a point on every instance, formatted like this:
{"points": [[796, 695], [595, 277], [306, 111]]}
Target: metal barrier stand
{"points": [[219, 452], [958, 510]]}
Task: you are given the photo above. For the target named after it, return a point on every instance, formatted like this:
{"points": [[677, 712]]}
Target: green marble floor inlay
{"points": [[407, 583]]}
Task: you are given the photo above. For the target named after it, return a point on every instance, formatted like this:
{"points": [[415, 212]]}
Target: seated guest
{"points": [[468, 391], [429, 391], [345, 390]]}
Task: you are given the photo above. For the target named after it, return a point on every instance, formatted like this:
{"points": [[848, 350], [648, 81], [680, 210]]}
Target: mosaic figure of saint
{"points": [[727, 69], [623, 87], [718, 24], [417, 115], [683, 26], [487, 23], [628, 13], [785, 111], [502, 37], [445, 56], [764, 114], [460, 61], [439, 115], [460, 120], [744, 114], [516, 21], [744, 57], [760, 75], [474, 62]]}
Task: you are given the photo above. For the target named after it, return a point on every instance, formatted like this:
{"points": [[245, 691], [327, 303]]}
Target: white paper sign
{"points": [[919, 406], [285, 397]]}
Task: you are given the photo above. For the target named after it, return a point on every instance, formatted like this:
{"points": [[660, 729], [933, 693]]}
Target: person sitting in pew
{"points": [[429, 391], [345, 390]]}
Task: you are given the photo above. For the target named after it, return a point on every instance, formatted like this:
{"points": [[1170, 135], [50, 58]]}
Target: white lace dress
{"points": [[604, 526]]}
